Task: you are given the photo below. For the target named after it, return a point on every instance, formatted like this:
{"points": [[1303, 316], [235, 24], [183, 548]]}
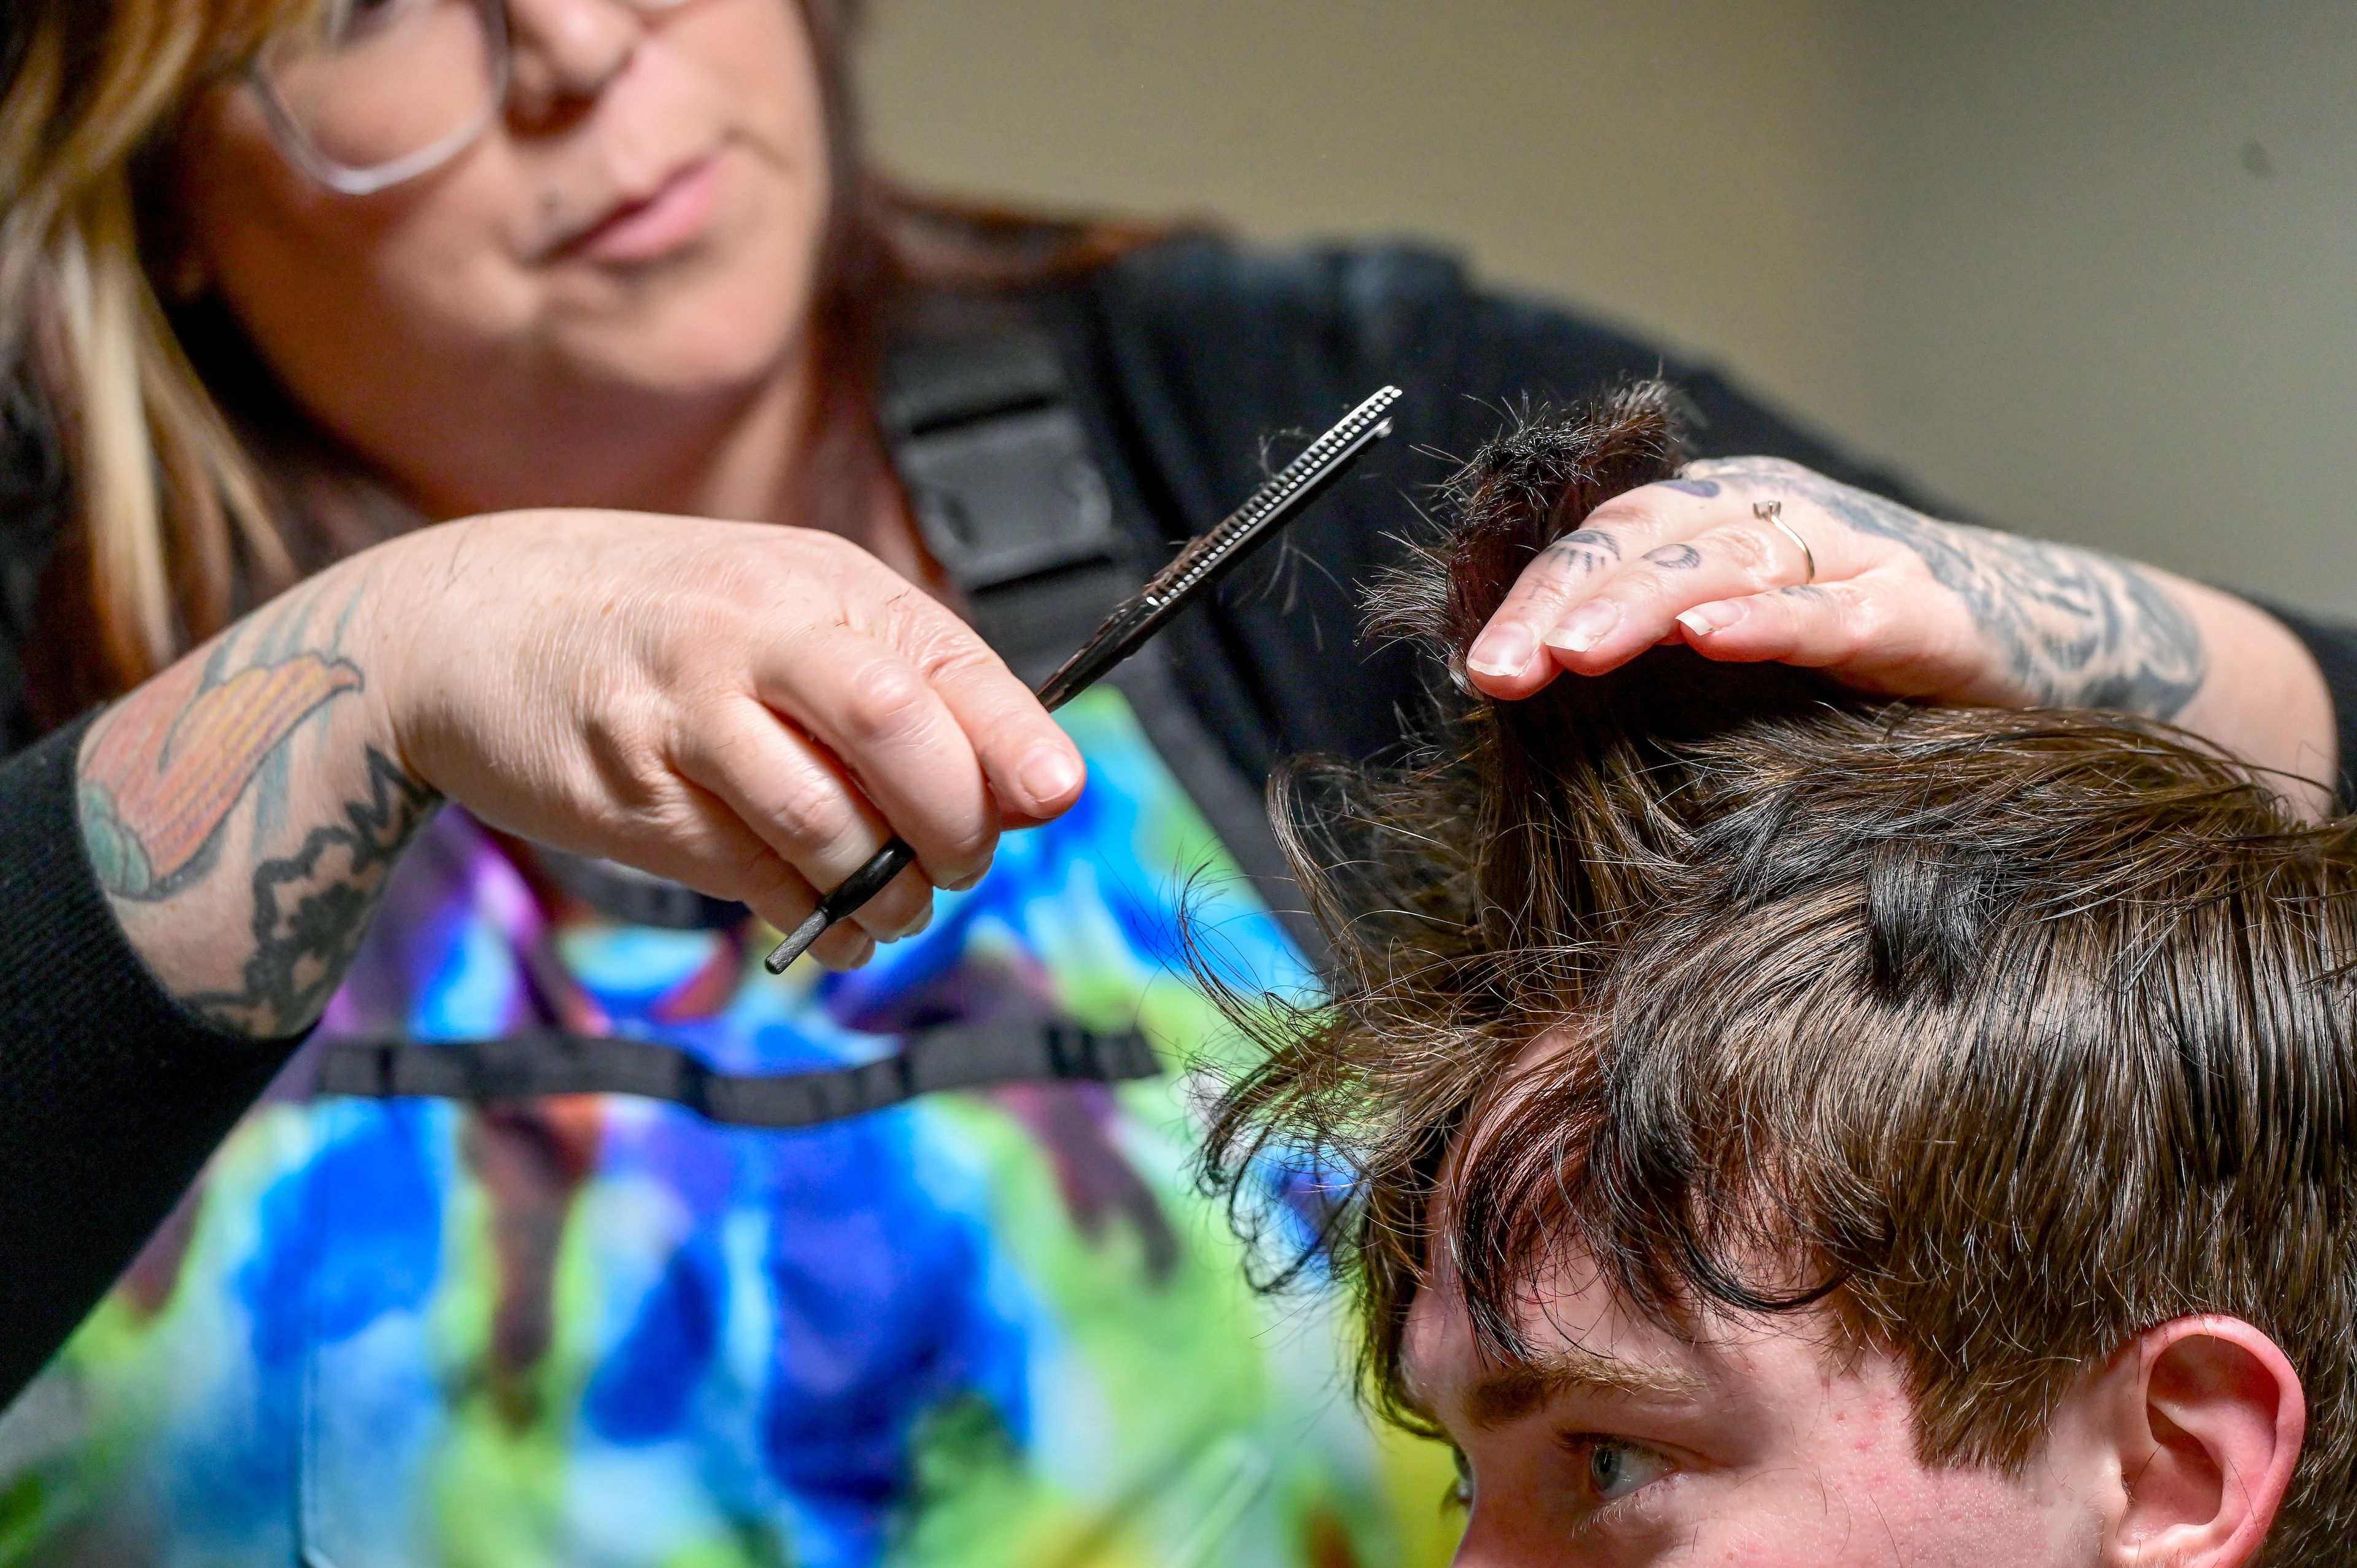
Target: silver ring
{"points": [[1773, 512]]}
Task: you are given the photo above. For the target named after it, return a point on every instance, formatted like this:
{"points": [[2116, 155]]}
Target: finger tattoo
{"points": [[1587, 552]]}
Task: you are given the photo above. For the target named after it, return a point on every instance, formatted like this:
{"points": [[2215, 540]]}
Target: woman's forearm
{"points": [[242, 810], [2262, 695]]}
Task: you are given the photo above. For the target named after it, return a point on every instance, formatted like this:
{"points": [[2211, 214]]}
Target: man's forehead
{"points": [[1582, 1344], [1583, 1338]]}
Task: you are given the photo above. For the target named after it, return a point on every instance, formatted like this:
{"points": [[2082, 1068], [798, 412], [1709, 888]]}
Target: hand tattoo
{"points": [[2075, 628], [166, 773]]}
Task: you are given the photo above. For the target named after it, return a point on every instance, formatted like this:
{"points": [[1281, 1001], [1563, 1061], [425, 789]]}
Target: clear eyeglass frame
{"points": [[498, 70], [288, 130]]}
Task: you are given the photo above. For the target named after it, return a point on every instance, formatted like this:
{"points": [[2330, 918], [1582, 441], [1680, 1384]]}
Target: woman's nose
{"points": [[566, 50]]}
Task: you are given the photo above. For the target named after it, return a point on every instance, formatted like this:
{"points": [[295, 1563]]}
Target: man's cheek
{"points": [[1786, 1518], [1870, 1511]]}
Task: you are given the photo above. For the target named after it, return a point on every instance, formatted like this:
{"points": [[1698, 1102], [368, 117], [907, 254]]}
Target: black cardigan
{"points": [[1193, 353]]}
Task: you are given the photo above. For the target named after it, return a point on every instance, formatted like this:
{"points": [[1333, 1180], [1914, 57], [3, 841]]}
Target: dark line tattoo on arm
{"points": [[2074, 627], [311, 907]]}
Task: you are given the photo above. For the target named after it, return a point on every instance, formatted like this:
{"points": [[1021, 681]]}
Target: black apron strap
{"points": [[1023, 509], [988, 438], [548, 1061]]}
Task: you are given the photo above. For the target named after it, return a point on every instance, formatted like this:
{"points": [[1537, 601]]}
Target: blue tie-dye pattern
{"points": [[879, 1315], [641, 1393], [747, 1335], [295, 1291]]}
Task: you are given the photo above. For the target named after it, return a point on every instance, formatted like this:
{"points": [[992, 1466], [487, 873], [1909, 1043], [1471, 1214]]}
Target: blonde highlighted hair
{"points": [[166, 509]]}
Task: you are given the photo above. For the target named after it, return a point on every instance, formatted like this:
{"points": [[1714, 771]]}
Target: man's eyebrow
{"points": [[1511, 1395]]}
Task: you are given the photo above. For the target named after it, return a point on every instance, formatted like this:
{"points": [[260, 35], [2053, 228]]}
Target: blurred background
{"points": [[2085, 269]]}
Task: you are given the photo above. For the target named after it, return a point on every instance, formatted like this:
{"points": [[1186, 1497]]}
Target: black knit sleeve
{"points": [[111, 1095]]}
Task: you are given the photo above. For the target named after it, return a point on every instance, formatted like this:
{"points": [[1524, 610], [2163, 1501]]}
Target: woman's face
{"points": [[630, 248]]}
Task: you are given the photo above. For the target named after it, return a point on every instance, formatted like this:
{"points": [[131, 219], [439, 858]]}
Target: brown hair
{"points": [[2003, 1035], [191, 487]]}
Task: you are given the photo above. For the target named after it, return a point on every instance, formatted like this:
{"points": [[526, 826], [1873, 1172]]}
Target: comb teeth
{"points": [[1176, 580], [1205, 558], [1298, 484]]}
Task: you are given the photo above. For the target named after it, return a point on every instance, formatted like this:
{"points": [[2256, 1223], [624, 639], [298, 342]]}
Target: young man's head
{"points": [[1792, 1132]]}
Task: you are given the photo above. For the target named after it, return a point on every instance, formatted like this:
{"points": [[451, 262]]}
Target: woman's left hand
{"points": [[1752, 559]]}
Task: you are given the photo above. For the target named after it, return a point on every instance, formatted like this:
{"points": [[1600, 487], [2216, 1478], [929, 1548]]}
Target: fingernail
{"points": [[1047, 773], [1704, 620], [961, 881], [1503, 650], [1584, 626]]}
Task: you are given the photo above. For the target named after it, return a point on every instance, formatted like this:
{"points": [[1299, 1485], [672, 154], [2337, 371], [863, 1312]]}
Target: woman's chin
{"points": [[705, 324], [678, 374], [710, 343]]}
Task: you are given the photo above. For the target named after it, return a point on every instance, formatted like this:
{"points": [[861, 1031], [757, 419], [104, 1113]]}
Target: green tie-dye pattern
{"points": [[394, 1332]]}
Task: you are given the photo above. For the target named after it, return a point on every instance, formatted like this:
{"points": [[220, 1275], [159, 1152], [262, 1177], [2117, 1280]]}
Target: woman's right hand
{"points": [[748, 709]]}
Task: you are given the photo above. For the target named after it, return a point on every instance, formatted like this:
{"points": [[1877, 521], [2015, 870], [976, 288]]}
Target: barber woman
{"points": [[373, 371]]}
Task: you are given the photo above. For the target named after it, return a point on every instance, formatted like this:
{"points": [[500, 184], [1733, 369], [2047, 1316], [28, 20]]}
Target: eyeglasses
{"points": [[378, 91]]}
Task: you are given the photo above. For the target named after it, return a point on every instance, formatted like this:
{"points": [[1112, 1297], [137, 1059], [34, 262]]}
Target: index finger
{"points": [[1034, 769], [1508, 659]]}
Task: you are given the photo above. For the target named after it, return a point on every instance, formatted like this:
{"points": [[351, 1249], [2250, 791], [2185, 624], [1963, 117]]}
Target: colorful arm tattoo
{"points": [[159, 781], [166, 775]]}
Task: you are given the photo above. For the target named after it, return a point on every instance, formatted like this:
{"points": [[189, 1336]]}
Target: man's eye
{"points": [[1617, 1467]]}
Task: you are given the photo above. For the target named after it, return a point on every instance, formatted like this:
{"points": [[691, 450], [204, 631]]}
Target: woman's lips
{"points": [[669, 221]]}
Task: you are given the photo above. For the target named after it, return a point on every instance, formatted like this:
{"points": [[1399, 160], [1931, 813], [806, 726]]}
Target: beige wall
{"points": [[2091, 315], [2021, 250]]}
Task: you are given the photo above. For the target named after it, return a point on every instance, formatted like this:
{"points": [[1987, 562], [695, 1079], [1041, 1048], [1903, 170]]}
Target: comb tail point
{"points": [[798, 942]]}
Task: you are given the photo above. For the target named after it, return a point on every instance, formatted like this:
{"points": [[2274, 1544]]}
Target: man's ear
{"points": [[2205, 1416]]}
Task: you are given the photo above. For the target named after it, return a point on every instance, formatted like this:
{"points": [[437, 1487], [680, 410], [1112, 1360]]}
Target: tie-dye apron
{"points": [[991, 1327]]}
